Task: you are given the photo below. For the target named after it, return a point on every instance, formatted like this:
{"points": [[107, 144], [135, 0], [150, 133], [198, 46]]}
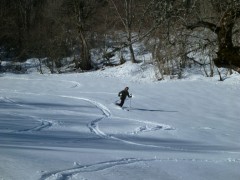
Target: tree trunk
{"points": [[129, 24], [85, 62], [228, 56], [131, 48]]}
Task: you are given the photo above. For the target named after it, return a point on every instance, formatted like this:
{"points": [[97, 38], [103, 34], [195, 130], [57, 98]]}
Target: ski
{"points": [[123, 108]]}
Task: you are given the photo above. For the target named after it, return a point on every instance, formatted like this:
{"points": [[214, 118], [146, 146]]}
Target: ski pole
{"points": [[130, 103]]}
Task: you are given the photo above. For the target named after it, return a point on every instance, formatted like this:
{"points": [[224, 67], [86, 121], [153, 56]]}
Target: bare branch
{"points": [[204, 24]]}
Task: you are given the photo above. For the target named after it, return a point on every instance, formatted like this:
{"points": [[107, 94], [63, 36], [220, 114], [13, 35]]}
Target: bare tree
{"points": [[125, 11], [215, 24], [136, 20], [170, 42], [17, 22], [222, 22], [81, 13]]}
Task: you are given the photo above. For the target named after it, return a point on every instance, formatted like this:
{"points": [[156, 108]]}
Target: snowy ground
{"points": [[67, 127]]}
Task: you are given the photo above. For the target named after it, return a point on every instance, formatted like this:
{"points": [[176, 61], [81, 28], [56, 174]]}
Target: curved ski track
{"points": [[93, 126], [43, 122], [68, 173]]}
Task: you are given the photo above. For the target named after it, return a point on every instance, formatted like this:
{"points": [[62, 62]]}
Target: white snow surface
{"points": [[67, 127]]}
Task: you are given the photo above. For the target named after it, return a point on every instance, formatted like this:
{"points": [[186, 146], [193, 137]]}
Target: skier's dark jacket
{"points": [[123, 94]]}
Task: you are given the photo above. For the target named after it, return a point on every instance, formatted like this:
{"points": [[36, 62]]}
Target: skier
{"points": [[123, 94]]}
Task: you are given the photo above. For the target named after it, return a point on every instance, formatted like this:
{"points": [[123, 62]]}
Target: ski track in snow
{"points": [[65, 174], [43, 122], [43, 125], [68, 173], [93, 126], [149, 126], [75, 83]]}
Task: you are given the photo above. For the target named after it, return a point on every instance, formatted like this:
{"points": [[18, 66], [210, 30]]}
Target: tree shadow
{"points": [[84, 140]]}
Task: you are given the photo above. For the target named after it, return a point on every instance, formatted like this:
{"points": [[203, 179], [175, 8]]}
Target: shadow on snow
{"points": [[152, 110]]}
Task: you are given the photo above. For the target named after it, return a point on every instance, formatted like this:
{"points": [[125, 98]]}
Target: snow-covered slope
{"points": [[66, 126]]}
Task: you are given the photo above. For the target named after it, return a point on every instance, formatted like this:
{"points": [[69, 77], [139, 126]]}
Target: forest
{"points": [[178, 33]]}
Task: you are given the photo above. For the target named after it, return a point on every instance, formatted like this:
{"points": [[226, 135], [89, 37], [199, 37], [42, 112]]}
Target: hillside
{"points": [[66, 126]]}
